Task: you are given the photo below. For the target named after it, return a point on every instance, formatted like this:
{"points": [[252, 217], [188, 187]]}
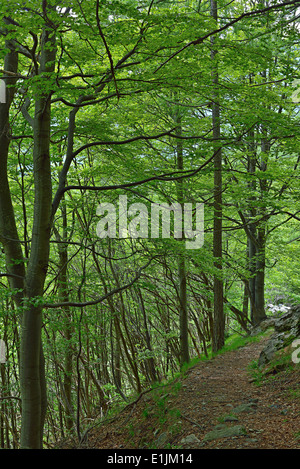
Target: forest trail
{"points": [[216, 395]]}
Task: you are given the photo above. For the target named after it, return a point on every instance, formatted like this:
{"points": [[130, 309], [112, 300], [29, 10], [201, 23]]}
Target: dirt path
{"points": [[216, 395], [268, 416]]}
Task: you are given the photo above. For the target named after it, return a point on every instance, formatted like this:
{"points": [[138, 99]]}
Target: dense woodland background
{"points": [[184, 101]]}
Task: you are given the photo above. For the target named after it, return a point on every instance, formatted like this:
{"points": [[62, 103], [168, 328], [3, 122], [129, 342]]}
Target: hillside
{"points": [[218, 403]]}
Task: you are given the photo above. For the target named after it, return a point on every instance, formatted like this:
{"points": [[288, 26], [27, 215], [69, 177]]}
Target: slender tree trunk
{"points": [[252, 225], [183, 303], [245, 301], [252, 269], [130, 345], [67, 318], [260, 277], [261, 241], [219, 321], [183, 312], [116, 352], [150, 361]]}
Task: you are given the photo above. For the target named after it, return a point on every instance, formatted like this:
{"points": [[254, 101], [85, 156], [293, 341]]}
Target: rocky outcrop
{"points": [[286, 330]]}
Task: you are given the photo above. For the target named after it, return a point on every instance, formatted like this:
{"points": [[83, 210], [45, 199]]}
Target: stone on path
{"points": [[249, 407], [225, 432], [190, 440]]}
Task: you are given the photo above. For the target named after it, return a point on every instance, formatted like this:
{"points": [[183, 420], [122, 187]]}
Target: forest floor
{"points": [[217, 395]]}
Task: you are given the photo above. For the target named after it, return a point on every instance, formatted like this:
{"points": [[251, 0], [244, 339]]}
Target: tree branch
{"points": [[102, 298], [226, 26], [106, 47]]}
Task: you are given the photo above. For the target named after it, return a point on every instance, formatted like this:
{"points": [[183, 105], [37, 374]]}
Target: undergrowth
{"points": [[234, 342], [170, 387]]}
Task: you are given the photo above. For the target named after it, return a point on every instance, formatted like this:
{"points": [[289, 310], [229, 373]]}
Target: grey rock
{"points": [[230, 418], [263, 326], [228, 432], [161, 440], [286, 330], [249, 407], [288, 321], [190, 440], [252, 440], [220, 426]]}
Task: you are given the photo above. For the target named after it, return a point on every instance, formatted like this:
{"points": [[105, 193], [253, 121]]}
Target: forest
{"points": [[149, 196]]}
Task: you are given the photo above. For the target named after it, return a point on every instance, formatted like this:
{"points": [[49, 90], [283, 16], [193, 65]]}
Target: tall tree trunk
{"points": [[9, 236], [183, 303], [261, 239], [219, 321], [252, 225], [32, 372]]}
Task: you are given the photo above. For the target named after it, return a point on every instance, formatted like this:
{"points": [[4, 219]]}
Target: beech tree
{"points": [[91, 89]]}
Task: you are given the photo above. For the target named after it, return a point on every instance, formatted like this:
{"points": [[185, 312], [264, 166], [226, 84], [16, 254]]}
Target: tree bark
{"points": [[261, 240], [183, 302], [9, 236], [219, 321], [252, 225], [32, 373]]}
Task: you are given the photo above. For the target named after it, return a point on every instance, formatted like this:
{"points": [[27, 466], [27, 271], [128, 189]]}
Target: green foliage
{"points": [[128, 74], [235, 341]]}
